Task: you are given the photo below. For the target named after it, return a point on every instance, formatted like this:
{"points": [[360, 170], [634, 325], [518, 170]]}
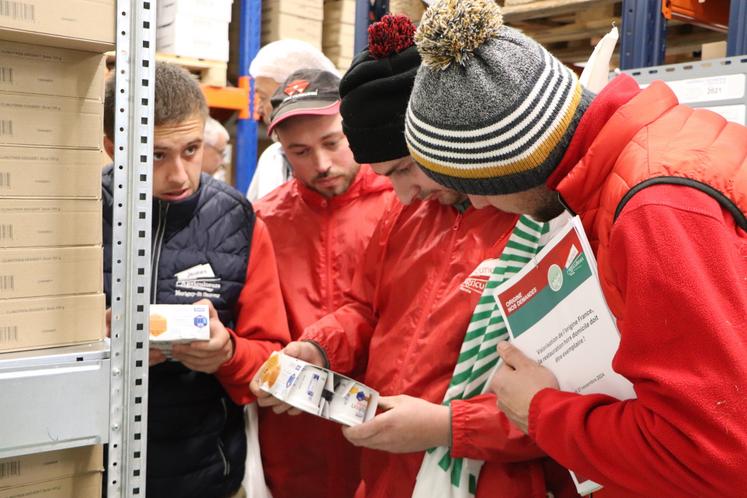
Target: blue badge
{"points": [[201, 321]]}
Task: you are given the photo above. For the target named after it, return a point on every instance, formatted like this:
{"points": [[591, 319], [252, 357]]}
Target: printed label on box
{"points": [[317, 390]]}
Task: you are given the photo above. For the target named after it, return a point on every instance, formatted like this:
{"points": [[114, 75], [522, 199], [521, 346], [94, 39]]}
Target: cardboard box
{"points": [[50, 121], [281, 26], [50, 222], [77, 24], [52, 271], [51, 71], [342, 35], [178, 323], [197, 37], [308, 9], [342, 52], [411, 8], [339, 11], [47, 172], [44, 322], [39, 467], [219, 10], [81, 486], [339, 57]]}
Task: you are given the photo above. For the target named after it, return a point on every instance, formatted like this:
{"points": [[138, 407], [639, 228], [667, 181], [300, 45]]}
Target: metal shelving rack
{"points": [[718, 84], [54, 399], [97, 393], [131, 249], [250, 27], [643, 38]]}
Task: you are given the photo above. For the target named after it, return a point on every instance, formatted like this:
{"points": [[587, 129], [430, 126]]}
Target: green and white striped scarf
{"points": [[442, 476]]}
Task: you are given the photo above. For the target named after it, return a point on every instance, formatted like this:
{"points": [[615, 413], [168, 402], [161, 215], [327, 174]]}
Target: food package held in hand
{"points": [[317, 390], [178, 323]]}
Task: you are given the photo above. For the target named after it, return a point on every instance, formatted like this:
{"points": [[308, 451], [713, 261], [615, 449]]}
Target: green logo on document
{"points": [[555, 277]]}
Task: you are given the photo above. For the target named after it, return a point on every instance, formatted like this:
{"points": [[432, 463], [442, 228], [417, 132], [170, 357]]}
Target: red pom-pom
{"points": [[391, 35]]}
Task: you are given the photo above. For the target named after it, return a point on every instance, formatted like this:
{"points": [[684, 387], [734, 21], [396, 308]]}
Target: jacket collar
{"points": [[608, 126], [365, 181], [180, 212]]}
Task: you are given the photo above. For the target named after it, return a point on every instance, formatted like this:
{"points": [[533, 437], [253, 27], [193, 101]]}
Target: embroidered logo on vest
{"points": [[198, 282]]}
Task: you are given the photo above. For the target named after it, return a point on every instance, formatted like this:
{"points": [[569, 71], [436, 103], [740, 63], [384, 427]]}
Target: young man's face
{"points": [[318, 153], [539, 202], [410, 182], [177, 158], [264, 87]]}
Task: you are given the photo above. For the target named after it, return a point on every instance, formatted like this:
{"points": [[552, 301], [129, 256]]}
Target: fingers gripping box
{"points": [[178, 323], [317, 390]]}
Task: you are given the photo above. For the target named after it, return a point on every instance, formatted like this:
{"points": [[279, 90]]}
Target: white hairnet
{"points": [[280, 59]]}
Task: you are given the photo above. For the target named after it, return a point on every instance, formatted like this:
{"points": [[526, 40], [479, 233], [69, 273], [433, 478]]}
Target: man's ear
{"points": [[109, 147]]}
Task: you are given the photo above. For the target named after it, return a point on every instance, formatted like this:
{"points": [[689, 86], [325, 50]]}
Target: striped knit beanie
{"points": [[491, 111]]}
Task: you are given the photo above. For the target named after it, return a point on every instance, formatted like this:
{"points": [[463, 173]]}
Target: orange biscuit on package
{"points": [[158, 325], [270, 370]]}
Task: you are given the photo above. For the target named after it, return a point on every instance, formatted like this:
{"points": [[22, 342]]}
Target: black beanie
{"points": [[376, 89]]}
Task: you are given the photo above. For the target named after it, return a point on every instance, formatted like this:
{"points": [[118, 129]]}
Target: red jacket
{"points": [[318, 243], [261, 325], [408, 312], [674, 269]]}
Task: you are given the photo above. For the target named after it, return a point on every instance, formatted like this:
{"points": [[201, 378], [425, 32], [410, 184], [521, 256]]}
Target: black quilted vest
{"points": [[196, 442]]}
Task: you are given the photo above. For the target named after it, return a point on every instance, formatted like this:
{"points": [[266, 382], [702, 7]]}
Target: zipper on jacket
{"points": [[226, 463], [155, 258], [329, 257], [458, 221], [432, 294]]}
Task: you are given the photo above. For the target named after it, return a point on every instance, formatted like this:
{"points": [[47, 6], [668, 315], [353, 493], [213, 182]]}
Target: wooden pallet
{"points": [[206, 71], [570, 29], [209, 72]]}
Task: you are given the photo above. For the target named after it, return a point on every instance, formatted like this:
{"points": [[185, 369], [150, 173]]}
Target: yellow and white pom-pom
{"points": [[451, 30]]}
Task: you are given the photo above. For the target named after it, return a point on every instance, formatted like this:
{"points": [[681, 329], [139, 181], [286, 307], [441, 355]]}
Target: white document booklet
{"points": [[556, 314]]}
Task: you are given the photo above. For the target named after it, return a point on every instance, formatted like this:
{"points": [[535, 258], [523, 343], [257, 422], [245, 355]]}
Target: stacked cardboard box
{"points": [[194, 28], [297, 19], [70, 473], [51, 109], [339, 32], [78, 24]]}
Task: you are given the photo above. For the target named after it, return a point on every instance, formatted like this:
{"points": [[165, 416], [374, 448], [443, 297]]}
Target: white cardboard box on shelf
{"points": [[281, 26], [50, 271], [39, 467], [197, 37], [78, 24], [50, 222], [43, 120], [339, 11], [81, 486], [307, 9], [40, 322], [219, 10], [26, 68], [48, 172]]}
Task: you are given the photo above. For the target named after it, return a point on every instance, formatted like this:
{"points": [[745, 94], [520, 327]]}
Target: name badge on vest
{"points": [[197, 282]]}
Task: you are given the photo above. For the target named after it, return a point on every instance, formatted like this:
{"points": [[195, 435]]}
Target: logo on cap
{"points": [[296, 86]]}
